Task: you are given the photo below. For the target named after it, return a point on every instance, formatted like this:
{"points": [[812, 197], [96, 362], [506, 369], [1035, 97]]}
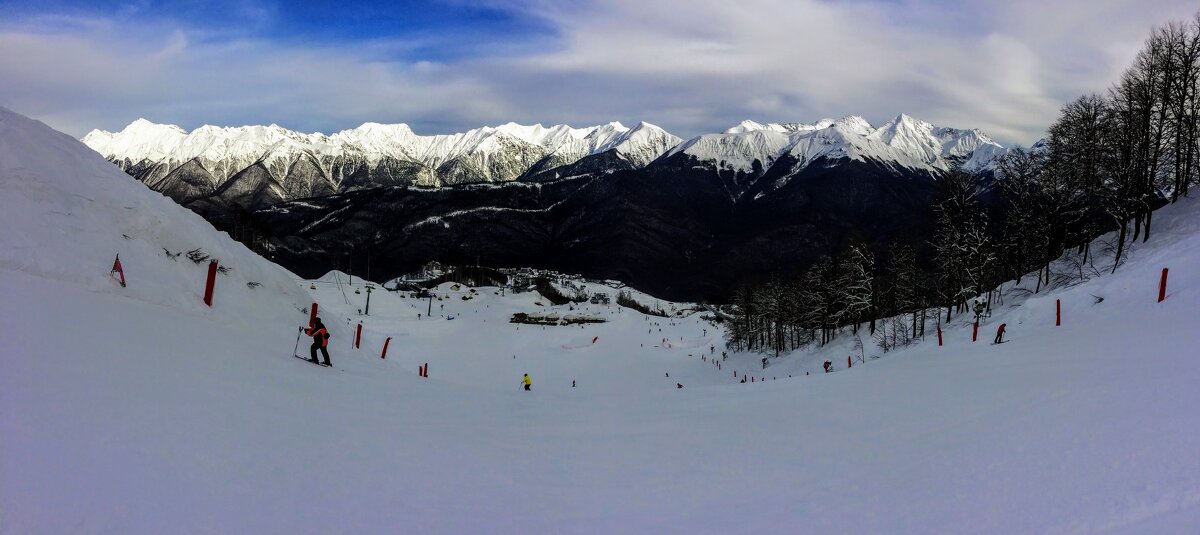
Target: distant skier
{"points": [[828, 366], [1000, 334], [320, 338], [526, 382]]}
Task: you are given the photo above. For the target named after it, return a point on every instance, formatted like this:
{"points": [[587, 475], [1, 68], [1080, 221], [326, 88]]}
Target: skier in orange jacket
{"points": [[320, 338]]}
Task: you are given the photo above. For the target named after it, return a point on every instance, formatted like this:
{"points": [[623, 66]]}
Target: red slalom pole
{"points": [[1162, 287], [425, 370], [1057, 312], [212, 281], [975, 331], [357, 335], [385, 346], [849, 363], [939, 336], [312, 316]]}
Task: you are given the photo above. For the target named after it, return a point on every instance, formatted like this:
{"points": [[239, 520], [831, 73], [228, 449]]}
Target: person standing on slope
{"points": [[526, 382], [320, 338], [1000, 334]]}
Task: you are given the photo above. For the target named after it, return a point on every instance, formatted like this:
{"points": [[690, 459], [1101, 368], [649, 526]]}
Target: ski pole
{"points": [[297, 346]]}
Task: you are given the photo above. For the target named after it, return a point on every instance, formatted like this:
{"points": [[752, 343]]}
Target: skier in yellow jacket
{"points": [[526, 382]]}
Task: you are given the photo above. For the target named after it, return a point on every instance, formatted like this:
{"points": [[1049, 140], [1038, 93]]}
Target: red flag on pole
{"points": [[117, 269]]}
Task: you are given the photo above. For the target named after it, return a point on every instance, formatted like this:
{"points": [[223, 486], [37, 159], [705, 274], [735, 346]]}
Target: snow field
{"points": [[140, 410]]}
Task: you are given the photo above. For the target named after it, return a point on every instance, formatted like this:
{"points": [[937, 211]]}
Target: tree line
{"points": [[1108, 161]]}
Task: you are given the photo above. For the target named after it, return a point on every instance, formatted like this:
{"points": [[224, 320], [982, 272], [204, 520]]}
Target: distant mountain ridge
{"points": [[257, 166], [270, 164]]}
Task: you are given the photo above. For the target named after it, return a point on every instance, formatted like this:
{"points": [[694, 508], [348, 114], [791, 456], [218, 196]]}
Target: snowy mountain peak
{"points": [[745, 126], [854, 123], [142, 125], [642, 144], [380, 129]]}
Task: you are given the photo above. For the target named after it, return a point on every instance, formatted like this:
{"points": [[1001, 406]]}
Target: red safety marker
{"points": [[939, 335], [975, 331], [385, 346], [312, 316], [1162, 286], [1057, 312], [357, 335], [117, 269], [212, 281]]}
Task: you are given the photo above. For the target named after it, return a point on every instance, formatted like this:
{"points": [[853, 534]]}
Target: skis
{"points": [[321, 364]]}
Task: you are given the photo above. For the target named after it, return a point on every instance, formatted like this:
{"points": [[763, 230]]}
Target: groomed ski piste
{"points": [[139, 409]]}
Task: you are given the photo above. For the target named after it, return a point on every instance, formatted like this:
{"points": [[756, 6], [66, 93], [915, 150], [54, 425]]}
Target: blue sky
{"points": [[691, 66], [438, 30]]}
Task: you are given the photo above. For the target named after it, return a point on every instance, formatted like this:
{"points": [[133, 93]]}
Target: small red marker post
{"points": [[357, 336], [939, 329], [118, 270], [385, 346], [1057, 312], [975, 331], [1162, 287], [849, 363], [212, 281], [312, 316]]}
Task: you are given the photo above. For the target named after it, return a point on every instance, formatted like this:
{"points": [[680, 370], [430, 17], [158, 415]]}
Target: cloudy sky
{"points": [[690, 66]]}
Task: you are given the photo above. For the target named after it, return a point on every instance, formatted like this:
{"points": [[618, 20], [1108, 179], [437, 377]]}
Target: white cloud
{"points": [[1005, 67], [96, 76], [691, 66]]}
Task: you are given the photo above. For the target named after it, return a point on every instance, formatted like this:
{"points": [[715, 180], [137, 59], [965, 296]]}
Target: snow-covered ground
{"points": [[141, 410]]}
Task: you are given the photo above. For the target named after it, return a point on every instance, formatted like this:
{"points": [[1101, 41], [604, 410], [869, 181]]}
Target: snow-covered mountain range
{"points": [[259, 165], [294, 164], [902, 142]]}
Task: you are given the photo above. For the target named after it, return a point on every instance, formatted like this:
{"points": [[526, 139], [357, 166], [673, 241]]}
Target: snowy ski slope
{"points": [[140, 410]]}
